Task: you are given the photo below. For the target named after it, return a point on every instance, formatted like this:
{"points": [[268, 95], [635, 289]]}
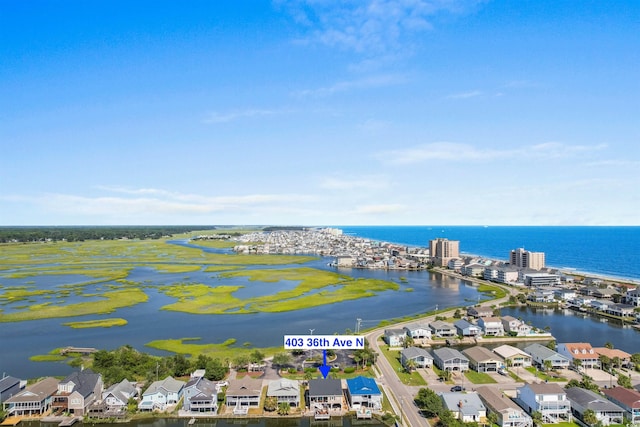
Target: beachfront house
{"points": [[394, 337], [491, 326], [200, 395], [482, 359], [442, 329], [632, 297], [579, 351], [117, 396], [467, 329], [243, 394], [466, 407], [421, 357], [450, 359], [515, 327], [77, 392], [364, 392], [285, 391], [513, 356], [539, 354], [160, 394], [547, 398], [508, 413], [605, 411], [36, 399], [629, 400], [418, 331]]}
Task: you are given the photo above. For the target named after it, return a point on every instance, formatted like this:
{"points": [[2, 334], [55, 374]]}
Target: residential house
{"points": [[564, 294], [542, 296], [604, 293], [200, 395], [285, 391], [442, 329], [621, 310], [466, 407], [629, 400], [475, 270], [243, 394], [612, 353], [467, 329], [579, 351], [117, 396], [77, 392], [605, 411], [508, 413], [482, 359], [36, 399], [513, 326], [479, 311], [632, 297], [418, 330], [160, 394], [421, 357], [539, 354], [394, 337], [450, 359], [490, 273], [9, 386], [601, 305], [547, 398], [364, 392], [325, 393], [491, 326], [513, 356], [508, 275]]}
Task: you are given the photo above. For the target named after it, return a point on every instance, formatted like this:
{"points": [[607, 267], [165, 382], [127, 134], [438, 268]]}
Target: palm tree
{"points": [[577, 363], [284, 408], [536, 416], [589, 417], [547, 365], [410, 365]]}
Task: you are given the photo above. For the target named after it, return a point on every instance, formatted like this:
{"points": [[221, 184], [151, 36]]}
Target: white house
{"points": [[160, 394], [117, 396], [418, 331], [466, 407], [513, 326], [394, 337], [420, 357], [547, 398], [491, 326]]}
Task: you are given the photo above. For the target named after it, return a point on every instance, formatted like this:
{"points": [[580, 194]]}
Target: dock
{"points": [[68, 422], [11, 421], [79, 350]]}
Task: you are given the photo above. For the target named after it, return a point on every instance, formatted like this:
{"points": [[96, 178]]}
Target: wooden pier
{"points": [[79, 350]]}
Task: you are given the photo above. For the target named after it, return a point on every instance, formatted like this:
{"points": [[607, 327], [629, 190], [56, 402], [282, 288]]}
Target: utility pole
{"points": [[358, 322]]}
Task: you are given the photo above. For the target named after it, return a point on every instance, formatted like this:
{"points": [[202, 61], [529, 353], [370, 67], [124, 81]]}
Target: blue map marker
{"points": [[324, 369]]}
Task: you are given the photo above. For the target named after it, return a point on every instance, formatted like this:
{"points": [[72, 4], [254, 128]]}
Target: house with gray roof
{"points": [[160, 394], [77, 392], [466, 407], [200, 395], [539, 354], [467, 329], [442, 329], [325, 393], [421, 357], [116, 397], [418, 330], [9, 386], [606, 411], [394, 337], [480, 311], [450, 359], [481, 359], [285, 390], [508, 413], [36, 399], [547, 398]]}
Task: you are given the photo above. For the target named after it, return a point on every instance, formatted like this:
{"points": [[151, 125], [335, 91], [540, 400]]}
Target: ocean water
{"points": [[606, 251]]}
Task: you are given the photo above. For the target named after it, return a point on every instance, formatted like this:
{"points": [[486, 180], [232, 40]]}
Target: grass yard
{"points": [[544, 376], [479, 377], [393, 356]]}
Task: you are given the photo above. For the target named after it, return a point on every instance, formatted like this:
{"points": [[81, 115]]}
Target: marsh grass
{"points": [[98, 323], [188, 347]]}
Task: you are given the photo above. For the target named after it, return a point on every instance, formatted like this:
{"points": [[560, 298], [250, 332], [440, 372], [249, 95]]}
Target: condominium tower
{"points": [[442, 250], [527, 259]]}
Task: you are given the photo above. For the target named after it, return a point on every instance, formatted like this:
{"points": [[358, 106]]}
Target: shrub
{"points": [[349, 370]]}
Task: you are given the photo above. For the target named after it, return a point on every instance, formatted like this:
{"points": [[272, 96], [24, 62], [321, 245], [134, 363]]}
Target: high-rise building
{"points": [[442, 250], [527, 259]]}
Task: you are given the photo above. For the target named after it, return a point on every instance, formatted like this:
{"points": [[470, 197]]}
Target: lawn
{"points": [[479, 377], [544, 376], [192, 347], [393, 356]]}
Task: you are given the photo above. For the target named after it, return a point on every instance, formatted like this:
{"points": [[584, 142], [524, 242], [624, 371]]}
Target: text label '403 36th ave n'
{"points": [[323, 342]]}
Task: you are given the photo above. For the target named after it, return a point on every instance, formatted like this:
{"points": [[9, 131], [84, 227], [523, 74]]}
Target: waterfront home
{"points": [[629, 400], [467, 329], [243, 394], [8, 387], [77, 392], [564, 294], [612, 353], [160, 394], [621, 310], [604, 293], [474, 270], [581, 351], [513, 326], [632, 297], [285, 391], [325, 394], [547, 398], [200, 395], [539, 354], [418, 330], [450, 359], [479, 311], [442, 329], [364, 392], [466, 407], [534, 280], [513, 356], [508, 413], [116, 397], [541, 296], [600, 305], [605, 411], [394, 337], [482, 359], [36, 399], [491, 326], [421, 357]]}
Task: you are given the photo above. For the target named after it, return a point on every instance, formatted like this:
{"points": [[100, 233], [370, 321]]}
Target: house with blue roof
{"points": [[364, 392]]}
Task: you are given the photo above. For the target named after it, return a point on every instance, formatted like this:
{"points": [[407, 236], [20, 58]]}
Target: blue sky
{"points": [[389, 112]]}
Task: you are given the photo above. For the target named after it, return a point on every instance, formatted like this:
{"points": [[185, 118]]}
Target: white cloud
{"points": [[465, 95]]}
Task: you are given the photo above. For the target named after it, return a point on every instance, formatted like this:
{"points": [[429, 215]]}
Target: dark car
{"points": [[457, 388]]}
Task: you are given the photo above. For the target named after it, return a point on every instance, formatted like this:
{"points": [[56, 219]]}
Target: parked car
{"points": [[457, 388]]}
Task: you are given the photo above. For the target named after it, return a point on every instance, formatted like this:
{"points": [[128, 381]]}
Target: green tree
{"points": [[284, 408], [608, 345], [429, 403], [624, 381], [271, 403], [241, 361], [216, 370], [577, 363], [410, 365], [589, 417], [181, 365], [492, 417], [408, 342], [605, 362], [256, 356], [547, 365], [281, 360], [536, 416]]}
